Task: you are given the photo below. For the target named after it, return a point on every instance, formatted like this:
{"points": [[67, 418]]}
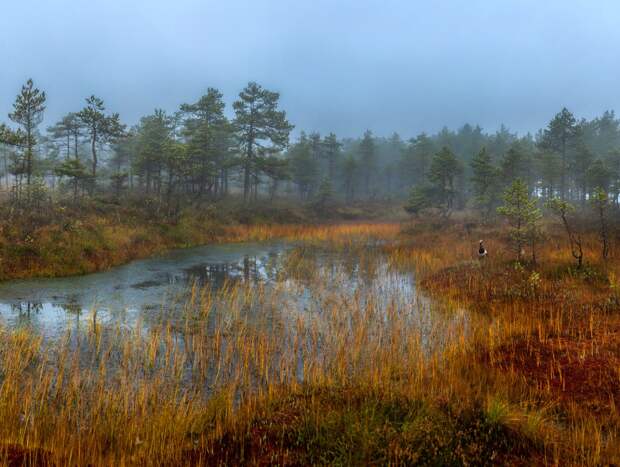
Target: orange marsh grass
{"points": [[552, 336], [319, 233], [105, 395]]}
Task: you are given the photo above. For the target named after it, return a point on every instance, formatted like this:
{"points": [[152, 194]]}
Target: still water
{"points": [[139, 290], [152, 291]]}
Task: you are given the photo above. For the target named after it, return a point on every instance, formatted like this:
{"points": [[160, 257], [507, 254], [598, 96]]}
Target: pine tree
{"points": [[524, 217], [607, 134], [10, 137], [416, 159], [582, 160], [304, 166], [443, 171], [153, 139], [600, 203], [325, 195], [209, 138], [316, 146], [100, 128], [276, 168], [349, 176], [28, 114], [485, 181], [559, 137], [261, 129], [331, 149], [516, 164], [69, 130], [367, 160], [420, 198], [598, 175], [175, 164], [499, 143], [549, 169], [75, 171]]}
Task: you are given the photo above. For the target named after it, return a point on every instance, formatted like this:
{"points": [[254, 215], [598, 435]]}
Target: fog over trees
{"points": [[197, 153], [326, 232]]}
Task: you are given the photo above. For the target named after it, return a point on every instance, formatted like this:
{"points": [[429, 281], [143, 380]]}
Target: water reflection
{"points": [[155, 291], [24, 312], [249, 269], [142, 290]]}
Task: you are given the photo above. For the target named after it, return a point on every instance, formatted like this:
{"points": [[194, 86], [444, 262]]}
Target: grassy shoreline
{"points": [[67, 241]]}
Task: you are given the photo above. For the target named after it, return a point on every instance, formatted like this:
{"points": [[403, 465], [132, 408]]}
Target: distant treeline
{"points": [[198, 152]]}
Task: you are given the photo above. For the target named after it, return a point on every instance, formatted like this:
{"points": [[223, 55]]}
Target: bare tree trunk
{"points": [[246, 181], [93, 147]]}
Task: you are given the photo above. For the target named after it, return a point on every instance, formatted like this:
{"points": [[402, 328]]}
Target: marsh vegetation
{"points": [[378, 336], [341, 311]]}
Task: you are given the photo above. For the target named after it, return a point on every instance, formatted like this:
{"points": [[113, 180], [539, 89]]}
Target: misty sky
{"points": [[341, 65]]}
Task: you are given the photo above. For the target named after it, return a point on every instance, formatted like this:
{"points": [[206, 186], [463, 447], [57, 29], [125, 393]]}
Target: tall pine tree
{"points": [[261, 129], [28, 114]]}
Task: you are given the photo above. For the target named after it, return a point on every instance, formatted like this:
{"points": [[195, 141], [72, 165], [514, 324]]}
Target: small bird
{"points": [[482, 251]]}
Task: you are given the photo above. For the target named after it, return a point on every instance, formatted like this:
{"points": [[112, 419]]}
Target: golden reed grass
{"points": [[167, 395], [107, 395], [552, 332], [354, 232]]}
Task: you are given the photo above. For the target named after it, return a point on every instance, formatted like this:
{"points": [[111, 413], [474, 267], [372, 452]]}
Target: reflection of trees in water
{"points": [[363, 266], [248, 270], [214, 273], [273, 265], [25, 309], [72, 305], [355, 266]]}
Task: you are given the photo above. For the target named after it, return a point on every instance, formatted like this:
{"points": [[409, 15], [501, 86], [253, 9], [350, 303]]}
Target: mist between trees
{"points": [[198, 153]]}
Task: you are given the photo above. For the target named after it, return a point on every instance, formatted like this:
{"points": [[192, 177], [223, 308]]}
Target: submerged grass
{"points": [[315, 371]]}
